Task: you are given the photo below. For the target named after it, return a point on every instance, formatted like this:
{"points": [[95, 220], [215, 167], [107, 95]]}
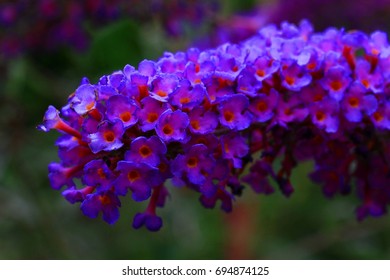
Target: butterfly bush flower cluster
{"points": [[219, 120], [27, 25], [354, 14]]}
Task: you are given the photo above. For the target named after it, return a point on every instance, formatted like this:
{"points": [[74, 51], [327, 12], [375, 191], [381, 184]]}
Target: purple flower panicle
{"points": [[216, 119]]}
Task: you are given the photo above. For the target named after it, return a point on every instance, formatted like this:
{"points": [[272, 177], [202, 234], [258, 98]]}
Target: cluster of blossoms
{"points": [[321, 13], [219, 119], [27, 25]]}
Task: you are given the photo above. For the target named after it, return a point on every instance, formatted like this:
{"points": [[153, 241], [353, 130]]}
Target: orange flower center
{"points": [[101, 174], [143, 91], [152, 117], [145, 151], [109, 136], [162, 93], [89, 106], [366, 83], [260, 73], [195, 124], [105, 199], [185, 100], [311, 65], [125, 116], [262, 106], [192, 162], [377, 116], [354, 102], [133, 175], [229, 116], [167, 129], [290, 80], [320, 116], [336, 85]]}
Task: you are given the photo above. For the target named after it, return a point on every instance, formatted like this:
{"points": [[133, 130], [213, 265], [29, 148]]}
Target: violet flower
{"points": [[216, 120]]}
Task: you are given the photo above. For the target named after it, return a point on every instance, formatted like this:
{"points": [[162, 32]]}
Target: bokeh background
{"points": [[47, 46]]}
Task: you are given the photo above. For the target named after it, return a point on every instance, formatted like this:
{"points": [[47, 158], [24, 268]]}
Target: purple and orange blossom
{"points": [[216, 120]]}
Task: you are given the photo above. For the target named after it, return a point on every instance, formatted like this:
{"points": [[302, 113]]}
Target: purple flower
{"points": [[247, 83], [223, 195], [336, 80], [188, 96], [195, 72], [171, 126], [107, 137], [137, 177], [294, 76], [290, 110], [74, 195], [105, 202], [52, 120], [151, 111], [233, 112], [258, 178], [120, 107], [265, 67], [60, 176], [98, 174], [356, 102], [324, 115], [151, 221], [381, 117], [202, 122], [372, 80], [262, 107], [193, 164], [147, 151], [234, 147], [163, 86], [215, 119], [84, 99]]}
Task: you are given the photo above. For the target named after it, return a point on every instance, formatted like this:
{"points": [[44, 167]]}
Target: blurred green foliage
{"points": [[37, 223]]}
